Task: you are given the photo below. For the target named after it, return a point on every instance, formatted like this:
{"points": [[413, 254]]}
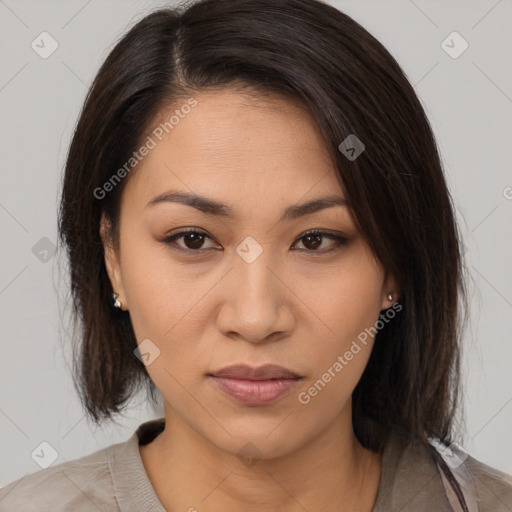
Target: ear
{"points": [[391, 285], [112, 262]]}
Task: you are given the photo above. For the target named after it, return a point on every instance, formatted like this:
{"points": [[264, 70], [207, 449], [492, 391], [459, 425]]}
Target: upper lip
{"points": [[265, 372]]}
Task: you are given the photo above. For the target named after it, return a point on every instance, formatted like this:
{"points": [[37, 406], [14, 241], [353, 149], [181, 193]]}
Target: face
{"points": [[211, 290]]}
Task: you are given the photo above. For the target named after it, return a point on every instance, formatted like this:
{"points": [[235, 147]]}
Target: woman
{"points": [[255, 188]]}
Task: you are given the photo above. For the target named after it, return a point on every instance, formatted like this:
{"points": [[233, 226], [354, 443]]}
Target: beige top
{"points": [[114, 479]]}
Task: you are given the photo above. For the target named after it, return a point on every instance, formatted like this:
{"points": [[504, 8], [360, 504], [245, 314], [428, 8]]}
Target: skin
{"points": [[291, 306]]}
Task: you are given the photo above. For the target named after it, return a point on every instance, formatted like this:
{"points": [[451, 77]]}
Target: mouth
{"points": [[255, 386], [265, 372]]}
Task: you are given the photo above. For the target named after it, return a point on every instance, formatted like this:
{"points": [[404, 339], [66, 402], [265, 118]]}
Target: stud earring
{"points": [[114, 300], [390, 296]]}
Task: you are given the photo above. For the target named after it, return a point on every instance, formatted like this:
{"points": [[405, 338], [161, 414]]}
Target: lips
{"points": [[255, 386], [266, 372]]}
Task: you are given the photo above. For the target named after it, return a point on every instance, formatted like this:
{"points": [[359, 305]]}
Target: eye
{"points": [[192, 238], [313, 239], [193, 241]]}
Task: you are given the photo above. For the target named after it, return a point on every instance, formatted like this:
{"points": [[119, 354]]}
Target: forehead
{"points": [[250, 149]]}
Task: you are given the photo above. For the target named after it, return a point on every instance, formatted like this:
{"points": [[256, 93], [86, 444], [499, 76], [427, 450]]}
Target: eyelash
{"points": [[340, 241]]}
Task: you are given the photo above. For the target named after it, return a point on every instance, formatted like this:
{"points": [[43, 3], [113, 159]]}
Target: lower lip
{"points": [[255, 392]]}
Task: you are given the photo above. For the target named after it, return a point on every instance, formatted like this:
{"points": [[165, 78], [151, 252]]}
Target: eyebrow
{"points": [[212, 207]]}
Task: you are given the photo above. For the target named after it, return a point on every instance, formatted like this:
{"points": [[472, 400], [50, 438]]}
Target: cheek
{"points": [[347, 312], [349, 301], [154, 295], [165, 304], [337, 363]]}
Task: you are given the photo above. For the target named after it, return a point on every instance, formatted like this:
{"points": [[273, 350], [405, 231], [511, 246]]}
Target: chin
{"points": [[263, 438]]}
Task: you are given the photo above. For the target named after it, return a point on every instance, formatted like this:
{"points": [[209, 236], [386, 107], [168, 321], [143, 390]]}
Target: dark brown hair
{"points": [[311, 53]]}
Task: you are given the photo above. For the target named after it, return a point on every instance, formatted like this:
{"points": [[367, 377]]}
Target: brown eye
{"points": [[193, 240], [312, 240]]}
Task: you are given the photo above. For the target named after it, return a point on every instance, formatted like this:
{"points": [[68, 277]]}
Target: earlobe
{"points": [[388, 300], [111, 260], [391, 293]]}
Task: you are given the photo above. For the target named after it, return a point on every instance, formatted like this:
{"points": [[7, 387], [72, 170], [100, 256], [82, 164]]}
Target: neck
{"points": [[188, 472]]}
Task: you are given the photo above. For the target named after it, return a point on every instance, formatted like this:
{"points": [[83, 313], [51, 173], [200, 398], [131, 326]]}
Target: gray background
{"points": [[467, 99]]}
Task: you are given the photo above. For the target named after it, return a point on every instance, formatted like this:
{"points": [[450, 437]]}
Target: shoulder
{"points": [[493, 488], [414, 481], [81, 485]]}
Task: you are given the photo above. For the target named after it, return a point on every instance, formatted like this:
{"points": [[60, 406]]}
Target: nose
{"points": [[256, 303]]}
